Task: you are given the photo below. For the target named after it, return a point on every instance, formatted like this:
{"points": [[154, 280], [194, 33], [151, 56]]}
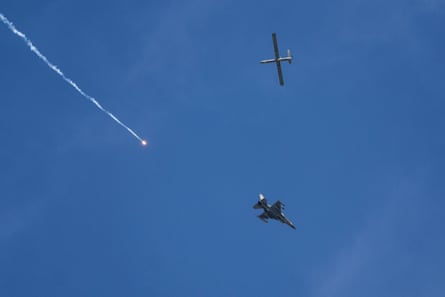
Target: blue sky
{"points": [[352, 144]]}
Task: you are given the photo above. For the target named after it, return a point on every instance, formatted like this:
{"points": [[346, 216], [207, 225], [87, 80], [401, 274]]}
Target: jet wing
{"points": [[263, 217], [277, 207]]}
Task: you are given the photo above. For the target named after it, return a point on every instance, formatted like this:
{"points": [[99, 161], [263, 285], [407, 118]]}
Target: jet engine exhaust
{"points": [[53, 67]]}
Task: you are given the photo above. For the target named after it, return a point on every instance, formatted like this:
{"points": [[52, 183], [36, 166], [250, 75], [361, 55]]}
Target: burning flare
{"points": [[53, 67]]}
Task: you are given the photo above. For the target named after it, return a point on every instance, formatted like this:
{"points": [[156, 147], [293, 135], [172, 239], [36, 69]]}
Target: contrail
{"points": [[68, 80]]}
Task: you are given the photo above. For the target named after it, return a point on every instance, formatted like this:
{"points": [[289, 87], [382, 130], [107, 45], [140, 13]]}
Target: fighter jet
{"points": [[278, 59], [274, 211]]}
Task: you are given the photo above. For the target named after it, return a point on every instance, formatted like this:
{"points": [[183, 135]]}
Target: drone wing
{"points": [[277, 58], [280, 73], [275, 45]]}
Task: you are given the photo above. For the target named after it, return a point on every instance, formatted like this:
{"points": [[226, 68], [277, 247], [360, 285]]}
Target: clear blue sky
{"points": [[353, 144]]}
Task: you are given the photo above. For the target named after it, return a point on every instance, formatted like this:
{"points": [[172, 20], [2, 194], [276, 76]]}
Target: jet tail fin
{"points": [[257, 205], [261, 202]]}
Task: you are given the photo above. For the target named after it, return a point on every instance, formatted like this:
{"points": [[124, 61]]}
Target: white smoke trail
{"points": [[68, 80]]}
